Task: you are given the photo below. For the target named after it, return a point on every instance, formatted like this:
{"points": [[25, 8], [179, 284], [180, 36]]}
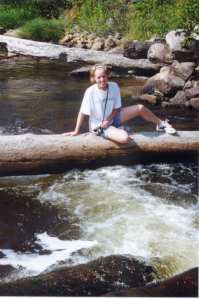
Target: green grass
{"points": [[12, 17], [43, 30]]}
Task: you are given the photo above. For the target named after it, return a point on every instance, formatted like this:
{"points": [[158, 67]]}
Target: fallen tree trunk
{"points": [[65, 54], [35, 154]]}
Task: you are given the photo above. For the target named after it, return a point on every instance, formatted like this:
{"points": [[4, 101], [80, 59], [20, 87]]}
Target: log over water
{"points": [[65, 54], [36, 154]]}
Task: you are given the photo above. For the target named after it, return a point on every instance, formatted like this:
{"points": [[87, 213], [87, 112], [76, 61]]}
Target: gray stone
{"points": [[98, 44], [194, 103], [188, 85], [175, 40], [2, 30], [183, 70], [160, 52], [3, 50], [136, 49], [152, 99], [195, 83], [192, 92], [109, 43], [165, 82], [179, 99]]}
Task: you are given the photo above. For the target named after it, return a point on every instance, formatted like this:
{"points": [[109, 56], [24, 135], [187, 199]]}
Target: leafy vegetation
{"points": [[12, 17], [43, 30], [102, 17], [157, 17], [136, 19]]}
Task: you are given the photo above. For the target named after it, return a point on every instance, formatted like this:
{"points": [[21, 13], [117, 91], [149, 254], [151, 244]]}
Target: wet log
{"points": [[65, 54], [36, 154], [95, 278], [181, 285]]}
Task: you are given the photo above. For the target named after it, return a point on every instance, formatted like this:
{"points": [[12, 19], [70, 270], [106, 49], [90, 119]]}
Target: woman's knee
{"points": [[141, 108], [124, 137]]}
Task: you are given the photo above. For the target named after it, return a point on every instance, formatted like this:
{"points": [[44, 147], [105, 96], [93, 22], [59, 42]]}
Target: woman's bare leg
{"points": [[117, 135], [133, 111]]}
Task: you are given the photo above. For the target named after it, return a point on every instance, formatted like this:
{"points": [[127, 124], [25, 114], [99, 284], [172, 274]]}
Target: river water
{"points": [[148, 211]]}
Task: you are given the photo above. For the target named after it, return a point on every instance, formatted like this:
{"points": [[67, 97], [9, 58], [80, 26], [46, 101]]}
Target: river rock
{"points": [[181, 285], [194, 103], [183, 70], [160, 52], [109, 43], [188, 84], [166, 82], [175, 40], [136, 49], [152, 99], [195, 83], [98, 44], [3, 50], [6, 270], [95, 278], [179, 99], [2, 30], [192, 92]]}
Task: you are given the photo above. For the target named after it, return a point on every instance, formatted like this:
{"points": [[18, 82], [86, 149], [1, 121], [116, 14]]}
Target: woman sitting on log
{"points": [[102, 103]]}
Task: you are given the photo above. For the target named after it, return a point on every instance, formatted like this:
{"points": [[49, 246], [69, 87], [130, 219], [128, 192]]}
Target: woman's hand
{"points": [[105, 124], [72, 133]]}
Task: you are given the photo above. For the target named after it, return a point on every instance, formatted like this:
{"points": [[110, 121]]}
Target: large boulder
{"points": [[182, 285], [179, 99], [165, 82], [183, 70], [175, 40], [96, 278], [160, 52], [136, 49], [192, 92], [194, 103]]}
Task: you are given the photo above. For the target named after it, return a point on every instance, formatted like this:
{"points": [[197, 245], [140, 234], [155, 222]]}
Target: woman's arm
{"points": [[80, 119]]}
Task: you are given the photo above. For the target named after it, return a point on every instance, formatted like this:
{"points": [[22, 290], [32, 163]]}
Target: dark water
{"points": [[41, 97], [147, 211]]}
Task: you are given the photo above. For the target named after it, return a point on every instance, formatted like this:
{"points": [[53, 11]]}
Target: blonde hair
{"points": [[102, 67]]}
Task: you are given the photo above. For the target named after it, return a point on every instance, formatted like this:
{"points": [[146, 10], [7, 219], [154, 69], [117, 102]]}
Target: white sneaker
{"points": [[164, 126]]}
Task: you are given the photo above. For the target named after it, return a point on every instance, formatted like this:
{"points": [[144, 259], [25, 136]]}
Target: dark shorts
{"points": [[116, 121]]}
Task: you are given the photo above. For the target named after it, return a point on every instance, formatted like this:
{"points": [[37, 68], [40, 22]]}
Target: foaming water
{"points": [[150, 212], [145, 211], [56, 251]]}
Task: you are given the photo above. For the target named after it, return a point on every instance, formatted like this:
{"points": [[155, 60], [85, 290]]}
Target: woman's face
{"points": [[101, 78]]}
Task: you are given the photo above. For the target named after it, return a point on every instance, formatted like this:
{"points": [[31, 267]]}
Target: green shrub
{"points": [[157, 17], [43, 30], [152, 17], [102, 17], [13, 17], [188, 13]]}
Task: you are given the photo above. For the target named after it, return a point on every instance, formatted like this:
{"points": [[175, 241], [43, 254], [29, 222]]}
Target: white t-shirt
{"points": [[93, 103]]}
